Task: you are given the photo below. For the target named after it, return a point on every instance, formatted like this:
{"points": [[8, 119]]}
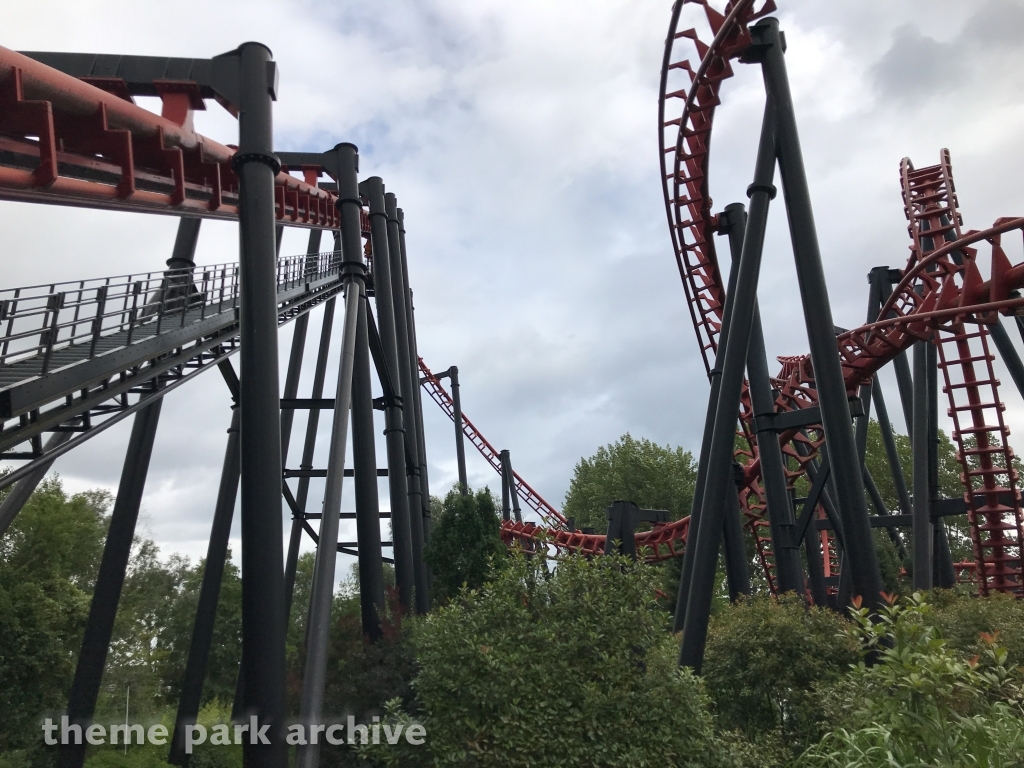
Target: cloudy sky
{"points": [[521, 140]]}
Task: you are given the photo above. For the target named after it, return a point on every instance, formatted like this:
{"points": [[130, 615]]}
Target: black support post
{"points": [[394, 431], [318, 628], [831, 387], [409, 374], [209, 595], [19, 494], [943, 574], [1008, 353], [107, 593], [309, 446], [263, 621], [719, 474], [923, 535], [460, 444], [715, 380], [411, 315], [364, 462]]}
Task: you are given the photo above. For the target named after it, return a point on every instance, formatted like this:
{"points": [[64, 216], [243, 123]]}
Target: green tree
{"points": [[465, 543], [567, 667], [48, 563], [648, 474], [765, 657]]}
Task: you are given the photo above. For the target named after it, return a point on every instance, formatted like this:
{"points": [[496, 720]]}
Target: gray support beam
{"points": [[510, 478], [737, 569], [19, 494], [411, 314], [408, 372], [831, 387], [460, 442], [734, 356], [309, 446], [891, 452], [364, 463], [318, 628], [394, 430], [184, 254], [923, 534], [209, 595], [506, 494], [715, 379], [263, 620], [943, 573], [107, 593]]}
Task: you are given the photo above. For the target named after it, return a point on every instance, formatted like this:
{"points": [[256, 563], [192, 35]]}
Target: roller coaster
{"points": [[78, 357]]}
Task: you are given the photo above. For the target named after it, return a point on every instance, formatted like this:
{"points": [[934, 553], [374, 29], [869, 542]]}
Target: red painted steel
{"points": [[74, 143]]}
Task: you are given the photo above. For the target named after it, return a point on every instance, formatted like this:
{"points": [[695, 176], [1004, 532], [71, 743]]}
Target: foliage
{"points": [[465, 543], [650, 475], [48, 561], [572, 667], [764, 658], [918, 703], [962, 620]]}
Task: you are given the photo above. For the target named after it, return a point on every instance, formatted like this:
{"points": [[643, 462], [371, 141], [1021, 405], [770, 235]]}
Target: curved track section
{"points": [[941, 289]]}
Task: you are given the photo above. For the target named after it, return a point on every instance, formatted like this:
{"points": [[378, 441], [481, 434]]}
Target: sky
{"points": [[521, 141]]}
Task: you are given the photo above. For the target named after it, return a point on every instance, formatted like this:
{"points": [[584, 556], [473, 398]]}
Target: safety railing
{"points": [[92, 316]]}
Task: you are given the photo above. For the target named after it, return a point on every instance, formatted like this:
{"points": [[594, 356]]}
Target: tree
{"points": [[48, 563], [465, 543], [648, 474], [571, 666]]}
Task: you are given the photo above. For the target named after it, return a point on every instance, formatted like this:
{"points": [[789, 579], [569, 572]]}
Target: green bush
{"points": [[919, 703], [572, 667], [765, 658], [962, 618], [465, 543]]}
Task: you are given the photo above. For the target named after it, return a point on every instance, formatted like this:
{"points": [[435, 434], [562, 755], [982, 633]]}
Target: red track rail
{"points": [[923, 301], [75, 144]]}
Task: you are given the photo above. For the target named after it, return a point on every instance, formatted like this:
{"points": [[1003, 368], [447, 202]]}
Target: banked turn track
{"points": [[941, 289]]}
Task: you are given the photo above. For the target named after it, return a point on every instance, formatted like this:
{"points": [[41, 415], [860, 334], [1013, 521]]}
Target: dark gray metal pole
{"points": [[107, 593], [831, 387], [24, 488], [891, 452], [943, 574], [394, 431], [460, 446], [506, 493], [364, 463], [318, 628], [418, 399], [209, 595], [309, 446], [263, 621], [923, 535], [715, 378], [506, 463], [409, 374], [734, 356], [291, 389], [737, 569]]}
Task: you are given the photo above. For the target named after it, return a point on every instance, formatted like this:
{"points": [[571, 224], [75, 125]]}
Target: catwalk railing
{"points": [[72, 353]]}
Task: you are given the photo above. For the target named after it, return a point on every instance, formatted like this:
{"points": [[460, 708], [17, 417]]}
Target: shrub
{"points": [[568, 668], [765, 658]]}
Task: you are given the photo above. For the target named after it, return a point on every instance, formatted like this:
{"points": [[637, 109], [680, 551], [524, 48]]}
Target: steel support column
{"points": [[1008, 353], [943, 573], [364, 463], [460, 443], [408, 371], [411, 315], [394, 431], [923, 535], [829, 382], [263, 620], [706, 539], [309, 446], [715, 380], [318, 628], [209, 596], [107, 593], [291, 389]]}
